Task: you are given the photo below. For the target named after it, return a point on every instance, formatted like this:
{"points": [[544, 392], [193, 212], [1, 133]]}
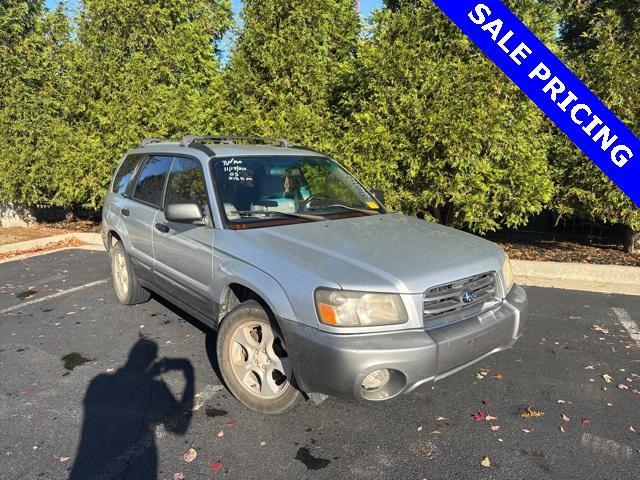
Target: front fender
{"points": [[233, 270]]}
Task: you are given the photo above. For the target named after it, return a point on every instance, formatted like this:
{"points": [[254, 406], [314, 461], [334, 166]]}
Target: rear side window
{"points": [[125, 172], [150, 184], [186, 183]]}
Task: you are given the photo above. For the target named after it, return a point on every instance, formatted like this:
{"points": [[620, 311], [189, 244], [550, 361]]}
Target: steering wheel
{"points": [[308, 200]]}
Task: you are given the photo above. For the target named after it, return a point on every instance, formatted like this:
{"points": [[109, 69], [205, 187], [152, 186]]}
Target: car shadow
{"points": [[123, 410]]}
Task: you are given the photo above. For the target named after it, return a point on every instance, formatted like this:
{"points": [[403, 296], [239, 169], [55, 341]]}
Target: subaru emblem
{"points": [[467, 296]]}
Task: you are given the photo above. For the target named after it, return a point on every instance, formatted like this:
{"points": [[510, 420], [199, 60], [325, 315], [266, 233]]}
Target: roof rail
{"points": [[189, 139], [149, 141]]}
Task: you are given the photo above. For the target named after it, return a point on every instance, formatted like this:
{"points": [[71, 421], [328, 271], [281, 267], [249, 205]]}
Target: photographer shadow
{"points": [[123, 409]]}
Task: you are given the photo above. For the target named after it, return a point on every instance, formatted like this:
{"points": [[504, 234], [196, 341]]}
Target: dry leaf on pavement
{"points": [[562, 429], [190, 456], [479, 416], [495, 428], [589, 367], [485, 462], [565, 418], [220, 434], [607, 378], [488, 418], [530, 412], [622, 386], [179, 476], [441, 419]]}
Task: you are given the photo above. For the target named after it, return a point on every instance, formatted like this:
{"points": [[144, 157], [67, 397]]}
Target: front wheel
{"points": [[254, 362]]}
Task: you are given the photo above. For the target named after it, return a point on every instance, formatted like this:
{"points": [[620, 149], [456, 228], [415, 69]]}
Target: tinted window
{"points": [[125, 173], [186, 183], [151, 180]]}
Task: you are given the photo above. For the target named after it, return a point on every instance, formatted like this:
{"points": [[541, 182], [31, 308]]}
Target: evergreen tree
{"points": [[438, 127], [144, 68], [600, 40], [32, 103], [281, 76]]}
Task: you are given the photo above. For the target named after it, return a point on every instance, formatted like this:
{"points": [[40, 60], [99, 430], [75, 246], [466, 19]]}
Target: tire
{"points": [[125, 283], [253, 361]]}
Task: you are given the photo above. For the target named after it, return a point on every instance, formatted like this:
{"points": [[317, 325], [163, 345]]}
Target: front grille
{"points": [[444, 304]]}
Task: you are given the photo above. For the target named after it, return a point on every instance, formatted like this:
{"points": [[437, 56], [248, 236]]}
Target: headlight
{"points": [[342, 308], [507, 275]]}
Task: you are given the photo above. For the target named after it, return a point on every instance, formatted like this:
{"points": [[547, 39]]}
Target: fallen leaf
{"points": [[217, 465], [586, 421], [607, 378], [495, 428], [561, 401], [482, 373], [530, 412], [543, 340], [565, 418], [263, 443], [589, 367], [488, 418], [487, 403], [562, 429], [622, 386], [231, 423], [220, 434], [631, 428], [598, 328], [64, 459], [525, 430], [419, 428], [441, 419], [485, 462], [111, 370], [497, 376], [179, 476], [190, 456], [436, 432], [479, 416]]}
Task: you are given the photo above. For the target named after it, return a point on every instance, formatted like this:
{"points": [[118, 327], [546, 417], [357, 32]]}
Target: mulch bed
{"points": [[86, 226], [552, 251]]}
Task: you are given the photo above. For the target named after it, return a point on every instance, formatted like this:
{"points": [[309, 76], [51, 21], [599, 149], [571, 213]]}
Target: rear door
{"points": [[183, 251], [140, 211]]}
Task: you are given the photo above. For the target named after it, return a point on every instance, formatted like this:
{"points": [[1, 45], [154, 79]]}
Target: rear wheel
{"points": [[125, 283], [254, 362]]}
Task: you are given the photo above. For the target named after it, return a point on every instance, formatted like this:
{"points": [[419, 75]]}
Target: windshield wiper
{"points": [[339, 205], [311, 218]]}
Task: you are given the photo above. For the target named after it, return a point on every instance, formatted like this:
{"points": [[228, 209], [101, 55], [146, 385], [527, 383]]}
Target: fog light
{"points": [[376, 379]]}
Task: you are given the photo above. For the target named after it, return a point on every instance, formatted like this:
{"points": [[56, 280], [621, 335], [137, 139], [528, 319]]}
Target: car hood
{"points": [[384, 253]]}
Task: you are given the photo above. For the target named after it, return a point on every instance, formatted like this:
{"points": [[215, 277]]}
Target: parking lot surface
{"points": [[90, 389]]}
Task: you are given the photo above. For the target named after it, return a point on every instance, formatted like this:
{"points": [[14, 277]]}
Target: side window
{"points": [[186, 183], [124, 174], [151, 180]]}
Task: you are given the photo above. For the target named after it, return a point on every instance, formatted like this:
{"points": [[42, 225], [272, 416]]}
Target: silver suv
{"points": [[313, 287]]}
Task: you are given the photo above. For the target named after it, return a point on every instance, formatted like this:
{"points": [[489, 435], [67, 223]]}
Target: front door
{"points": [[184, 251]]}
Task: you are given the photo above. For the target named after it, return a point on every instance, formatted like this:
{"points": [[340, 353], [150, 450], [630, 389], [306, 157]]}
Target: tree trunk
{"points": [[632, 241]]}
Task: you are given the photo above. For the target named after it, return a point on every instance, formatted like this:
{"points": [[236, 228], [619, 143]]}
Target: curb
{"points": [[94, 239], [578, 276]]}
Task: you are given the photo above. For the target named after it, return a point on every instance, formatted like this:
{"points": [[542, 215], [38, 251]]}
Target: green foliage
{"points": [[438, 127], [281, 77], [601, 42], [410, 105]]}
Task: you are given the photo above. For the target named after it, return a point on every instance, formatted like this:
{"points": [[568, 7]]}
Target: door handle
{"points": [[125, 212], [162, 227]]}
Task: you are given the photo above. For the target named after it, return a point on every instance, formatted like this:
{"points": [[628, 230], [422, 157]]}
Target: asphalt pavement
{"points": [[91, 389]]}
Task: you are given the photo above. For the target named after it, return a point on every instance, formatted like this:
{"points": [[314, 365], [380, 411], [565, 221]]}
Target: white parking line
{"points": [[628, 324], [53, 295]]}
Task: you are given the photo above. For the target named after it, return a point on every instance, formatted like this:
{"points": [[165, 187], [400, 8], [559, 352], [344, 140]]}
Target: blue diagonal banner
{"points": [[552, 87]]}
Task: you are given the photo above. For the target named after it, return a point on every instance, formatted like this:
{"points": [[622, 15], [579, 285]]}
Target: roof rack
{"points": [[149, 141], [189, 139]]}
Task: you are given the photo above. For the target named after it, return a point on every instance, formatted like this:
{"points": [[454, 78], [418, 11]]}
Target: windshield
{"points": [[273, 188]]}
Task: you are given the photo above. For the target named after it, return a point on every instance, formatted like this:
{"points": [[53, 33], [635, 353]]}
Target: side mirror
{"points": [[379, 195], [183, 212]]}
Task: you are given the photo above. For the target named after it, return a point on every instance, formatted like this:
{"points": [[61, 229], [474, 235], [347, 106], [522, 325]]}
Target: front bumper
{"points": [[334, 364]]}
